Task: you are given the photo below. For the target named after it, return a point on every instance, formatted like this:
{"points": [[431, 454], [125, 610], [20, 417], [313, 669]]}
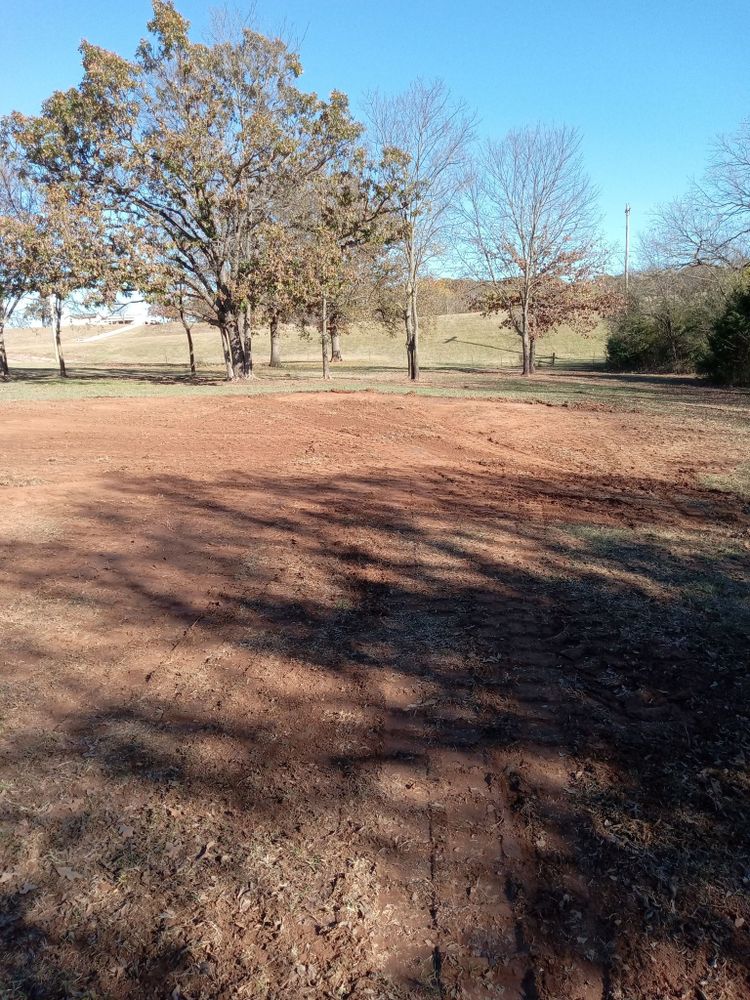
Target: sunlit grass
{"points": [[463, 356], [466, 340], [737, 481]]}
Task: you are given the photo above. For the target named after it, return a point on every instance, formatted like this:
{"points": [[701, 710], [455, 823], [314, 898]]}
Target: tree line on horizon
{"points": [[201, 176]]}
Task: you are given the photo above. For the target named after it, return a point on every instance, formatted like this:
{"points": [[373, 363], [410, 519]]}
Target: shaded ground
{"points": [[349, 696]]}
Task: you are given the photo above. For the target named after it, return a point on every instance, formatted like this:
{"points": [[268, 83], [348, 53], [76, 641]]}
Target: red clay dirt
{"points": [[356, 696]]}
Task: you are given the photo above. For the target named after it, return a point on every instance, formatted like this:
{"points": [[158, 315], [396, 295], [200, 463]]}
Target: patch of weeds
{"points": [[34, 528], [263, 642], [604, 537], [81, 601], [248, 568], [70, 831], [737, 481], [20, 481], [125, 860], [701, 590]]}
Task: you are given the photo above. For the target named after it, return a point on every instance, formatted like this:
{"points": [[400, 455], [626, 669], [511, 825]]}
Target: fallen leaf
{"points": [[69, 873]]}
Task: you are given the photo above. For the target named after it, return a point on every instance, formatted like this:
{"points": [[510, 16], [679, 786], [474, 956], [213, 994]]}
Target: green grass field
{"points": [[450, 342], [461, 355]]}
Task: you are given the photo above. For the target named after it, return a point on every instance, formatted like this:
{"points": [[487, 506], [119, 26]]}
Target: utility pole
{"points": [[627, 248]]}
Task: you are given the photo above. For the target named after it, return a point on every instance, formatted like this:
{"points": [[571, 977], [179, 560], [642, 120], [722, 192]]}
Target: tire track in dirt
{"points": [[449, 848], [529, 642], [404, 946]]}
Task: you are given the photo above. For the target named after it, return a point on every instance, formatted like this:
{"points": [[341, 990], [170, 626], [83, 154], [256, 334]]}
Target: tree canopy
{"points": [[201, 149]]}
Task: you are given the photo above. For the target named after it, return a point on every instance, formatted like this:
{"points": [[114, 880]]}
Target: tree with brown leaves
{"points": [[194, 144], [532, 235], [16, 261], [73, 250]]}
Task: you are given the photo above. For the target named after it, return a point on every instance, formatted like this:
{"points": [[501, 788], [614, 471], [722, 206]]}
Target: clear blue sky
{"points": [[648, 83]]}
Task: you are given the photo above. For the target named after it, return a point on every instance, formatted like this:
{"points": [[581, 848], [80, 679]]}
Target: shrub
{"points": [[727, 356], [631, 343], [664, 341]]}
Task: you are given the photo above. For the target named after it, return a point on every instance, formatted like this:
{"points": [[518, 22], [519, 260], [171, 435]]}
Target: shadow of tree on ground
{"points": [[331, 736]]}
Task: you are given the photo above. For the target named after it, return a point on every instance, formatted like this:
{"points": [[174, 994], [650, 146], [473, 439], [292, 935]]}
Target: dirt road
{"points": [[108, 334], [354, 696]]}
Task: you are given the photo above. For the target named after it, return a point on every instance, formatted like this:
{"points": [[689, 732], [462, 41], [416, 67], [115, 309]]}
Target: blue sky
{"points": [[649, 84]]}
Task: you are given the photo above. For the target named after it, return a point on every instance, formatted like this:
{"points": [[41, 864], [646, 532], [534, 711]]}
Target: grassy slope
{"points": [[460, 355], [448, 341], [464, 355]]}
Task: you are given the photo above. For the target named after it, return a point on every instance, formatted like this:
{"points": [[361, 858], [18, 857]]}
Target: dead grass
{"points": [[466, 340], [737, 481]]}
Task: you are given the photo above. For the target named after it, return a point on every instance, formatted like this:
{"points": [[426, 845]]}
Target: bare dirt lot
{"points": [[352, 696]]}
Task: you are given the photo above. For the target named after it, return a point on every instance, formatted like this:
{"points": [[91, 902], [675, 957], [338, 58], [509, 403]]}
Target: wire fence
{"points": [[554, 360]]}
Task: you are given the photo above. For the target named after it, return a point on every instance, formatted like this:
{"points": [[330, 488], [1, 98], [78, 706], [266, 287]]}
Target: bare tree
{"points": [[710, 225], [532, 233], [434, 131]]}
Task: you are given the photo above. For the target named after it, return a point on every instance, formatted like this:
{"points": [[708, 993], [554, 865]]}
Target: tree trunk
{"points": [[234, 355], [414, 334], [227, 354], [335, 342], [324, 339], [191, 351], [236, 349], [275, 361], [412, 330], [247, 343], [189, 335], [528, 368], [526, 351], [413, 359], [58, 308], [407, 326], [4, 370], [532, 355]]}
